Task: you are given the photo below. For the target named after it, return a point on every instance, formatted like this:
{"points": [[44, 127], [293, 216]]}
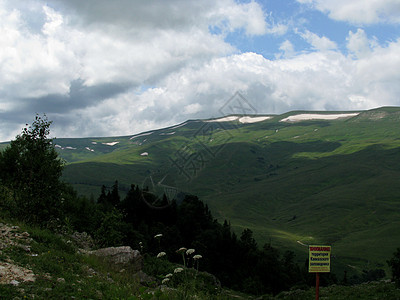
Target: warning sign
{"points": [[319, 259]]}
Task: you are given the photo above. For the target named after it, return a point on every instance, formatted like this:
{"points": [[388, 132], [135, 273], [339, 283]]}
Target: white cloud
{"points": [[277, 29], [192, 108], [359, 11], [36, 64], [359, 45], [287, 48], [247, 15], [319, 43]]}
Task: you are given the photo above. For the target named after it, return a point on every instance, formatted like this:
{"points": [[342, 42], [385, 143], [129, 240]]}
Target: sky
{"points": [[113, 68]]}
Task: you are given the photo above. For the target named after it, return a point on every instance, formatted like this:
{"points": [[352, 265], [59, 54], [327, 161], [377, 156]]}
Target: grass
{"points": [[63, 273], [370, 290]]}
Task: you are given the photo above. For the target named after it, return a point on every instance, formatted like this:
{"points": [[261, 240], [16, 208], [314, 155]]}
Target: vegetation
{"points": [[30, 174], [317, 181], [394, 264], [186, 250]]}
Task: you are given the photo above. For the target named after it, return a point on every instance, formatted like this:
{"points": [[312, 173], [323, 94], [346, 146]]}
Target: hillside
{"points": [[296, 178], [39, 264]]}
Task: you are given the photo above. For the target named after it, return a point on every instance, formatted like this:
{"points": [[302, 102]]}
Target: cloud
{"points": [[248, 16], [191, 109], [287, 48], [277, 29], [327, 80], [359, 11], [359, 45], [122, 67], [176, 14], [318, 43]]}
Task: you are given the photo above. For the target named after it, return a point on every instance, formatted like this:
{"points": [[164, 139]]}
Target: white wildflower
{"points": [[189, 251], [182, 249], [165, 280], [168, 275], [158, 236], [197, 256], [161, 254], [178, 270]]}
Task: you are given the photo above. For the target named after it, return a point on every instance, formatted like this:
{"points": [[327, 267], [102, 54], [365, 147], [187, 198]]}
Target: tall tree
{"points": [[31, 168]]}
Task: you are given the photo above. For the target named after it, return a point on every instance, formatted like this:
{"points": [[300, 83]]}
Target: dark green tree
{"points": [[111, 231], [394, 264], [31, 169], [103, 195], [114, 198]]}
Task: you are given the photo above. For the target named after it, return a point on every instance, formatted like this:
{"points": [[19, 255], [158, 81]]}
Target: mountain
{"points": [[294, 179]]}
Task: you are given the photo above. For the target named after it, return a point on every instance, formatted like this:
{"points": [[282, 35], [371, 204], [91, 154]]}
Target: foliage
{"points": [[237, 263], [394, 264], [6, 201], [111, 230], [31, 170]]}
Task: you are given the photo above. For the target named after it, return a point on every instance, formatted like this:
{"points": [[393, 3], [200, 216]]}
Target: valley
{"points": [[298, 178]]}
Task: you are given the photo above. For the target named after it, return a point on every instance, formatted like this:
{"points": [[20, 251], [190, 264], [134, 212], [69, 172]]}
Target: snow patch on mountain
{"points": [[247, 119], [303, 117], [142, 134], [110, 144]]}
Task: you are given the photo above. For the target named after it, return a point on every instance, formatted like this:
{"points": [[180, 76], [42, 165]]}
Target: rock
{"points": [[123, 255], [82, 240], [10, 273]]}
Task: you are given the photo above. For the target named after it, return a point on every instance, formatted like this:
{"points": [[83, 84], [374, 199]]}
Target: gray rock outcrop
{"points": [[124, 256]]}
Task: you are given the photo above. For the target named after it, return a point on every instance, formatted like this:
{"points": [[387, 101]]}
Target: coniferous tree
{"points": [[113, 197]]}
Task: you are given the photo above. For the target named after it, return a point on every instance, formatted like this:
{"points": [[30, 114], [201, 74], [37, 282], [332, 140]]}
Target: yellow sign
{"points": [[319, 259]]}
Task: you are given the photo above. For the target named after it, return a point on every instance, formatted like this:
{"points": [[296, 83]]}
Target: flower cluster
{"points": [[165, 280], [187, 255], [161, 254], [178, 270], [181, 250], [190, 251]]}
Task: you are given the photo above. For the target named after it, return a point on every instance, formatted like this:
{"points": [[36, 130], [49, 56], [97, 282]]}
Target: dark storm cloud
{"points": [[79, 96], [144, 14]]}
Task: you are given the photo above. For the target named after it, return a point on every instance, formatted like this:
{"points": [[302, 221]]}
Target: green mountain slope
{"points": [[292, 183]]}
